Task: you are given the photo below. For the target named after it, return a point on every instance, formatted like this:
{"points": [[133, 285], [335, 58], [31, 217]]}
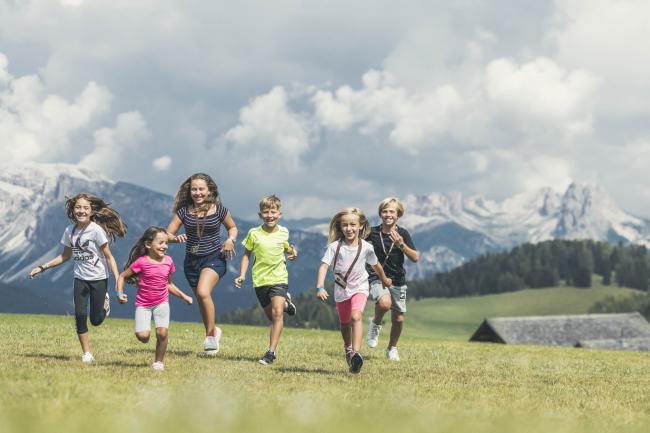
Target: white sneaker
{"points": [[158, 365], [211, 342], [373, 334], [87, 357], [392, 353], [107, 305]]}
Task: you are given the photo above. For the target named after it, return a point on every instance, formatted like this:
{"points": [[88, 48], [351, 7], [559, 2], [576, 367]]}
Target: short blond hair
{"points": [[389, 201], [269, 202], [335, 231]]}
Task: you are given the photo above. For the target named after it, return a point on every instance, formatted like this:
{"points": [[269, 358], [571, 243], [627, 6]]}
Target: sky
{"points": [[333, 104]]}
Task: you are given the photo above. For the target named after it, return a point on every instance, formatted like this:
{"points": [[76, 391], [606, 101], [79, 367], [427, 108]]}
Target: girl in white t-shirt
{"points": [[86, 242], [347, 254]]}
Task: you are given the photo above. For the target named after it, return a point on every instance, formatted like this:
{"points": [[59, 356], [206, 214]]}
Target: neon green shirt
{"points": [[270, 266]]}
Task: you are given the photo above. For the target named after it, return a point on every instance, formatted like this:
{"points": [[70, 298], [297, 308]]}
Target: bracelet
{"points": [[118, 294], [320, 289], [42, 268]]}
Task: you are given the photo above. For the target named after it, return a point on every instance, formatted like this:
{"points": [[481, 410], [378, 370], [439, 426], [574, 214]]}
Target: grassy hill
{"points": [[458, 318], [440, 386]]}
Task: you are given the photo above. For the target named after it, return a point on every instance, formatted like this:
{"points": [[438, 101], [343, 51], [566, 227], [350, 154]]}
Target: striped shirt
{"points": [[210, 239]]}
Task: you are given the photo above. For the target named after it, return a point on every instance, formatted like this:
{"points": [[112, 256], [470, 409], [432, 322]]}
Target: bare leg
{"points": [[382, 305], [143, 336], [357, 329], [161, 343], [275, 313], [207, 280], [85, 343], [346, 333], [396, 328]]}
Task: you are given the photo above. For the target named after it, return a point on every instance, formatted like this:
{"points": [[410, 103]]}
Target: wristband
{"points": [[118, 294], [320, 289]]}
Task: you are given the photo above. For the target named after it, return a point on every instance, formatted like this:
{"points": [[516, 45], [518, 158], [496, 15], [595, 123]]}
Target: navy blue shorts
{"points": [[193, 265]]}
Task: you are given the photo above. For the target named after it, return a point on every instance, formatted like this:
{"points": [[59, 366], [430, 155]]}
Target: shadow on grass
{"points": [[231, 357], [122, 364], [293, 370], [152, 349], [48, 356]]}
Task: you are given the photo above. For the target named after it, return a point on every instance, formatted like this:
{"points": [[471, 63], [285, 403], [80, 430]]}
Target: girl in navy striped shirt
{"points": [[199, 210]]}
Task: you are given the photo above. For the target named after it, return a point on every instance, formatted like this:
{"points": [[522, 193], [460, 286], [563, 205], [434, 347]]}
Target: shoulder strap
{"points": [[336, 256]]}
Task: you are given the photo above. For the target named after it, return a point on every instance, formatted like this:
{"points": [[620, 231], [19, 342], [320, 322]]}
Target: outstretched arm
{"points": [[61, 258], [110, 260]]}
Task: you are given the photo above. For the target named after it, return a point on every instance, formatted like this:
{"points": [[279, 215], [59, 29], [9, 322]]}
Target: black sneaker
{"points": [[291, 307], [356, 361], [268, 358], [348, 355]]}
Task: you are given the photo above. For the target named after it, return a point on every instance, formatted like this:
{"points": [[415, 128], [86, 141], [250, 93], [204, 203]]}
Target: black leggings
{"points": [[96, 290]]}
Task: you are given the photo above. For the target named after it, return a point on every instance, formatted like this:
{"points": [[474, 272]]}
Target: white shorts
{"points": [[160, 315], [397, 295]]}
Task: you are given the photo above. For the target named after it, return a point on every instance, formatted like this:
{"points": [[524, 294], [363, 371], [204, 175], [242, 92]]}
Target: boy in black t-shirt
{"points": [[391, 244]]}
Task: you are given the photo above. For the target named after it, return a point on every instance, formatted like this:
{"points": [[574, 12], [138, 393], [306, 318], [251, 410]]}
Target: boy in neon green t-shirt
{"points": [[269, 243]]}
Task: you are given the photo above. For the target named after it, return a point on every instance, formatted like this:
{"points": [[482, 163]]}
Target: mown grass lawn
{"points": [[439, 386]]}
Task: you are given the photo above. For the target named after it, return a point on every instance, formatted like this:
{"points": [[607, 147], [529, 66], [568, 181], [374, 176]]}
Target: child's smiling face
{"points": [[157, 248], [199, 191], [350, 225], [270, 217], [389, 215], [82, 211]]}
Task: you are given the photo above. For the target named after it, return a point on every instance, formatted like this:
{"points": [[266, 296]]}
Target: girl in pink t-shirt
{"points": [[151, 269]]}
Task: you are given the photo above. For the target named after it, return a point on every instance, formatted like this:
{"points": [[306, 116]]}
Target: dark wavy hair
{"points": [[102, 214], [139, 249], [184, 194]]}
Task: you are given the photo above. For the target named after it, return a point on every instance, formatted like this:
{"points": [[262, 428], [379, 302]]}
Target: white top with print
{"points": [[89, 261], [358, 279]]}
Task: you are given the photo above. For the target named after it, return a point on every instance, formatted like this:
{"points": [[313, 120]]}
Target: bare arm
{"points": [[243, 268], [61, 258], [173, 227], [110, 260], [177, 292], [229, 244], [387, 282], [320, 281], [409, 252], [119, 286]]}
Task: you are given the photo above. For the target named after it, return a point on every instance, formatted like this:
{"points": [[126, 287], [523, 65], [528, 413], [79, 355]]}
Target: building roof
{"points": [[565, 330], [639, 344]]}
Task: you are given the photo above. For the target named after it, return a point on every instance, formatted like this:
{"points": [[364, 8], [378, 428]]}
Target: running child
{"points": [[198, 208], [269, 243], [151, 269], [347, 254], [86, 241], [391, 244]]}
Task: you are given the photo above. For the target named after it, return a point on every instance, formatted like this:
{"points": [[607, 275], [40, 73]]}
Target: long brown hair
{"points": [[102, 214], [139, 249], [335, 231], [184, 194]]}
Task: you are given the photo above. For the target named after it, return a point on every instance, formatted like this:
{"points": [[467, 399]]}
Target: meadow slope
{"points": [[440, 386]]}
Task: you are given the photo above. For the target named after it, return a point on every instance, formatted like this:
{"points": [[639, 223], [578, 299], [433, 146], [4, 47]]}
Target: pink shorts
{"points": [[356, 302]]}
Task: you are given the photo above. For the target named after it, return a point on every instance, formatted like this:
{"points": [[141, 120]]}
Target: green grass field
{"points": [[458, 318], [439, 386]]}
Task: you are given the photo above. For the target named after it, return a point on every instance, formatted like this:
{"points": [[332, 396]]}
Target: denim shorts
{"points": [[193, 265]]}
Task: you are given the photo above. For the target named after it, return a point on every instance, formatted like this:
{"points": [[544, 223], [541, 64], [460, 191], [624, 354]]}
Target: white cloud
{"points": [[41, 126], [4, 71], [162, 164], [115, 146], [270, 129], [73, 3]]}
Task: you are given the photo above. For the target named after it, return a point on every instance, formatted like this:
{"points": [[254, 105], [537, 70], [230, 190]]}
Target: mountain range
{"points": [[448, 229]]}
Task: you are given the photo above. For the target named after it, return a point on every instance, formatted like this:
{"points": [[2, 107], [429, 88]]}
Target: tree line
{"points": [[545, 264]]}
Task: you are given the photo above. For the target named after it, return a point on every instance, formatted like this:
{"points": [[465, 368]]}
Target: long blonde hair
{"points": [[335, 231]]}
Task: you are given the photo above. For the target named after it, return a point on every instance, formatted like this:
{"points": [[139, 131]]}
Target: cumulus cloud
{"points": [[412, 119], [115, 146], [162, 164], [268, 128], [38, 125]]}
